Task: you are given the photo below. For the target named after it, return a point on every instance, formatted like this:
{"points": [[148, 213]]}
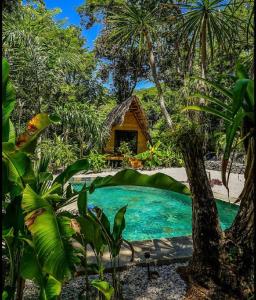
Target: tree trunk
{"points": [[225, 259], [238, 271], [152, 64], [206, 231]]}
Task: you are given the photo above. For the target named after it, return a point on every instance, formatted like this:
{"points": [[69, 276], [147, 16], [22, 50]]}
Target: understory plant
{"points": [[126, 152], [95, 230], [38, 238], [60, 153], [159, 156], [97, 161], [238, 115]]}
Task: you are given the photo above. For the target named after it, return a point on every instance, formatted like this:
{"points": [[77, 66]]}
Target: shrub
{"points": [[97, 161], [60, 153], [125, 150]]}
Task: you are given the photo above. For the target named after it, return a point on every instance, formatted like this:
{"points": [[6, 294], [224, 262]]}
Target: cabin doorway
{"points": [[130, 137]]}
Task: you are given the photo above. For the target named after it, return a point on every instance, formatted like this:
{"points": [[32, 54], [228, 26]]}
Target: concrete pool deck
{"points": [[236, 181], [162, 251]]}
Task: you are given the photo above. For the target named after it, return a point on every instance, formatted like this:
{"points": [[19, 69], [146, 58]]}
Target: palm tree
{"points": [[138, 26], [207, 22]]}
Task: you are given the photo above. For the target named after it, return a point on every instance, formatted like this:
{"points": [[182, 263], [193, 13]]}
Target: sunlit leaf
{"points": [[133, 177], [78, 166], [50, 234], [104, 287], [26, 142]]}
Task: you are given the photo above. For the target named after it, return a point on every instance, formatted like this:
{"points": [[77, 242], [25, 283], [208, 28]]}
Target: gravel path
{"points": [[168, 286]]}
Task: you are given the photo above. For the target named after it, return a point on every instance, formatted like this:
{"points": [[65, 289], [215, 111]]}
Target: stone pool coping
{"points": [[162, 252]]}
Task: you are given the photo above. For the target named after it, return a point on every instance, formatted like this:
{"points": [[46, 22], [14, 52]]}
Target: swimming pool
{"points": [[152, 213]]}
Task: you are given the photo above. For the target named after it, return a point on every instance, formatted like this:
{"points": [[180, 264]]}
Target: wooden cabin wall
{"points": [[130, 123]]}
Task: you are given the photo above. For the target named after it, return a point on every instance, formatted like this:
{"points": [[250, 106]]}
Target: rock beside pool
{"points": [[168, 286]]}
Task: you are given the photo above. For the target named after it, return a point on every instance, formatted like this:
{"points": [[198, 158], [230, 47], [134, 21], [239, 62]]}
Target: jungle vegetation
{"points": [[199, 57]]}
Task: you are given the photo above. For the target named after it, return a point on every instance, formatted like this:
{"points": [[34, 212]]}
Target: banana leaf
{"points": [[104, 287], [30, 268], [133, 177], [26, 142], [8, 103], [210, 110], [78, 166], [51, 235]]}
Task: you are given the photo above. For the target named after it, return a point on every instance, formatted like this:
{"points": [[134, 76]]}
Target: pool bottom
{"points": [[153, 213]]}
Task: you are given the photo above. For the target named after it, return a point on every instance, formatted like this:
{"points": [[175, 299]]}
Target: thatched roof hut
{"points": [[127, 122]]}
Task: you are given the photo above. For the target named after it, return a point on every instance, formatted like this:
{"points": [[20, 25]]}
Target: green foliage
{"points": [[60, 153], [155, 157], [104, 287], [51, 235], [94, 229], [41, 250], [126, 152], [133, 177], [71, 170], [97, 161], [238, 113], [211, 22]]}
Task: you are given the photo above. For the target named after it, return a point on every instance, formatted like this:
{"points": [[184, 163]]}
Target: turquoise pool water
{"points": [[153, 213]]}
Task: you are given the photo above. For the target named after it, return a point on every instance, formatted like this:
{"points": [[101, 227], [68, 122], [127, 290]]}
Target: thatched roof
{"points": [[132, 104]]}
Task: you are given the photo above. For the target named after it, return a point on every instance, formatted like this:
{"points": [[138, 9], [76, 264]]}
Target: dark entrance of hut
{"points": [[130, 137]]}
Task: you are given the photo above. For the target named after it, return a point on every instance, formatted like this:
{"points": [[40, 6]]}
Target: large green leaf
{"points": [[119, 223], [52, 288], [51, 235], [133, 177], [30, 268], [8, 131], [104, 287], [238, 92], [104, 221], [91, 232], [26, 142], [78, 166], [82, 201], [230, 136], [18, 168], [8, 101], [213, 100], [210, 110]]}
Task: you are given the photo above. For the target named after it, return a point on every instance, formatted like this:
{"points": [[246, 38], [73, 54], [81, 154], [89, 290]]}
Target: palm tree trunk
{"points": [[206, 231], [152, 64]]}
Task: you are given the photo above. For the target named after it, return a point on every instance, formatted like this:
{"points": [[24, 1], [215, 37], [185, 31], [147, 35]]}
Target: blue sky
{"points": [[68, 8], [69, 13]]}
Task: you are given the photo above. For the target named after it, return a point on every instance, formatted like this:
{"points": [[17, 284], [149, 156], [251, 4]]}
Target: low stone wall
{"points": [[216, 166]]}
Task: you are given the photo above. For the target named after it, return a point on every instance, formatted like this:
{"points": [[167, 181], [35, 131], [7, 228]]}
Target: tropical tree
{"points": [[230, 262], [207, 23], [49, 64], [137, 25]]}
